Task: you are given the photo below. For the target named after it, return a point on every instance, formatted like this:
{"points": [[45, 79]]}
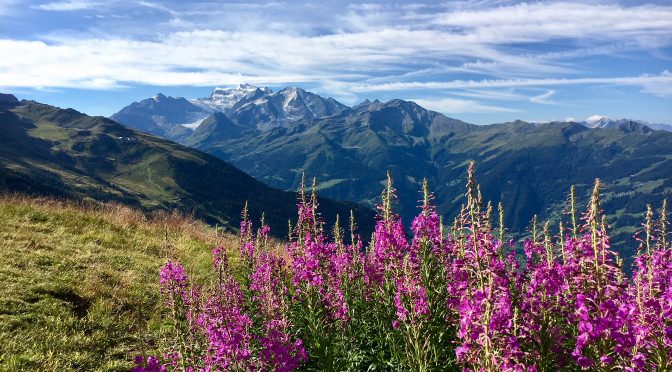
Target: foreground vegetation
{"points": [[462, 300], [87, 287], [79, 282]]}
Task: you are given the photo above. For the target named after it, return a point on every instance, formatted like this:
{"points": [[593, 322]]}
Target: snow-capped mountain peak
{"points": [[223, 99], [239, 90], [245, 104], [157, 97], [627, 125], [599, 121], [264, 109], [596, 118]]}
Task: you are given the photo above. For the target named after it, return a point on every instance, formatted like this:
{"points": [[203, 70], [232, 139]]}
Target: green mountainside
{"points": [[48, 150], [528, 167]]}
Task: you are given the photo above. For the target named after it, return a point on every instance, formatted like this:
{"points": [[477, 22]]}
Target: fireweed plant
{"points": [[433, 302]]}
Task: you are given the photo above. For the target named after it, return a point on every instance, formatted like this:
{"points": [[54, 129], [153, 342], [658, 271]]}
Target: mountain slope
{"points": [[350, 152], [48, 150], [168, 117], [529, 167], [660, 126]]}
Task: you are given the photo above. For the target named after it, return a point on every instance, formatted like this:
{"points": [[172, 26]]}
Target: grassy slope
{"points": [[50, 151], [80, 284]]}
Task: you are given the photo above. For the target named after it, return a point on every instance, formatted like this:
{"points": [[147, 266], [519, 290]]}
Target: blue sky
{"points": [[477, 60]]}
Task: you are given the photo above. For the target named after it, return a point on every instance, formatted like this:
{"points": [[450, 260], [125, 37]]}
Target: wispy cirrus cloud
{"points": [[67, 6], [248, 55], [503, 95], [528, 22], [652, 83], [544, 98], [158, 6]]}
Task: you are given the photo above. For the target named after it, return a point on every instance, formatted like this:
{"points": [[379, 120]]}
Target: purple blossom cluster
{"points": [[447, 298]]}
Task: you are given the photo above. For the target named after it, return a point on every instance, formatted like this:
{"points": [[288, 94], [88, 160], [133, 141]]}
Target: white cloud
{"points": [[213, 56], [368, 48], [66, 6], [662, 90], [502, 95], [461, 106], [366, 6], [544, 98], [528, 22], [595, 118]]}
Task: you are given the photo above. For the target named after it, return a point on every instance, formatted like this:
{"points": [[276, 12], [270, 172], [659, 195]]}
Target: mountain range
{"points": [[62, 152], [249, 107], [605, 122], [262, 109], [530, 167]]}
